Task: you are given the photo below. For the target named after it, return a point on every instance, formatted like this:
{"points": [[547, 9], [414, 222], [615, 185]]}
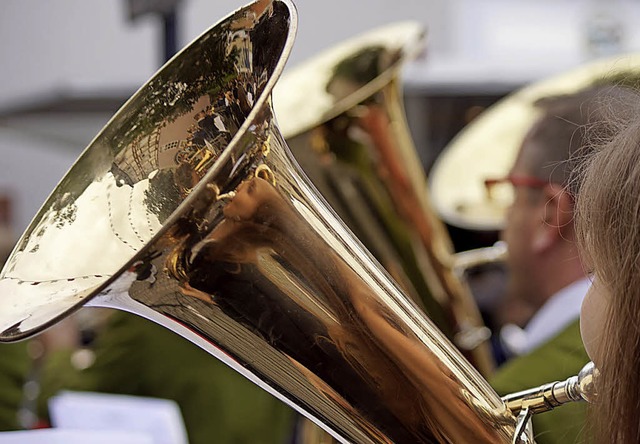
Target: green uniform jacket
{"points": [[137, 357], [14, 367], [558, 359]]}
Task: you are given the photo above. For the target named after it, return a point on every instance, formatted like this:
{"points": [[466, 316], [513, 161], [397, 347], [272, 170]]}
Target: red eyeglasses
{"points": [[500, 191]]}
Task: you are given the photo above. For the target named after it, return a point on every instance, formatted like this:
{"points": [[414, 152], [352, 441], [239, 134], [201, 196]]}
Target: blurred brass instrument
{"points": [[342, 115], [189, 210], [487, 147]]}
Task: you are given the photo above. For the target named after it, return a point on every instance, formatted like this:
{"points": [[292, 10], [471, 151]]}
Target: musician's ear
{"points": [[556, 219]]}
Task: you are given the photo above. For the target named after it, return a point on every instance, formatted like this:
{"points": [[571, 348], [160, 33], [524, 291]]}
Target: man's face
{"points": [[522, 220]]}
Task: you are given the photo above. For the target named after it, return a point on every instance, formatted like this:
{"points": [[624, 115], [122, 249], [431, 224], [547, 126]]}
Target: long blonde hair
{"points": [[608, 231]]}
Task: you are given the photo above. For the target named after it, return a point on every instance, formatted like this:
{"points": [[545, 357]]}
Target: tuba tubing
{"points": [[349, 133], [546, 397], [188, 209]]}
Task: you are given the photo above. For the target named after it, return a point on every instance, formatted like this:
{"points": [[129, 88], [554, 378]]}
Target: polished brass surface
{"points": [[189, 210], [549, 396], [487, 147], [544, 398], [348, 131], [466, 260]]}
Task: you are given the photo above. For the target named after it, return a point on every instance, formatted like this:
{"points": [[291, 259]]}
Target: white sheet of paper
{"points": [[61, 436], [159, 418]]}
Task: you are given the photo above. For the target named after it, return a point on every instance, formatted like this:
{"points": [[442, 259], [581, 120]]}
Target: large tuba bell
{"points": [[348, 132], [188, 209]]}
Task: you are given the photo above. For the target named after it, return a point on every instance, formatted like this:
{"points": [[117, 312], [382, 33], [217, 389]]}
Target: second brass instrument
{"points": [[487, 147], [343, 117]]}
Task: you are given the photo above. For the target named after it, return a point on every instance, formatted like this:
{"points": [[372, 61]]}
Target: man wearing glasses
{"points": [[546, 275]]}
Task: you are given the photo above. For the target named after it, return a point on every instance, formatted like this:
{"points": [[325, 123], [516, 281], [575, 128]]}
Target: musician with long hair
{"points": [[607, 220], [546, 273]]}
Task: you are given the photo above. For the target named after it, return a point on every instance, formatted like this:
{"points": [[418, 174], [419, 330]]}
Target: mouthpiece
{"points": [[549, 396]]}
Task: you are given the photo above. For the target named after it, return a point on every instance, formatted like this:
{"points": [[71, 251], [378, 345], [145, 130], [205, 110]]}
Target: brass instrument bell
{"points": [[189, 210], [342, 115]]}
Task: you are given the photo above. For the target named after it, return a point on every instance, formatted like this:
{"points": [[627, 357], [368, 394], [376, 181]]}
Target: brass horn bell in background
{"points": [[487, 147], [342, 115], [188, 209]]}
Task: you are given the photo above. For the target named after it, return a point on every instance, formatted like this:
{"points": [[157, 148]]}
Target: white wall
{"points": [[69, 45], [84, 47], [87, 46], [30, 169]]}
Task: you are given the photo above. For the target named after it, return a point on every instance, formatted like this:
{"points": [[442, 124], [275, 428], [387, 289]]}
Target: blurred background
{"points": [[67, 65]]}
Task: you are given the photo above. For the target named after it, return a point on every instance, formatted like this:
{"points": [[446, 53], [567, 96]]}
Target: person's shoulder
{"points": [[557, 359]]}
